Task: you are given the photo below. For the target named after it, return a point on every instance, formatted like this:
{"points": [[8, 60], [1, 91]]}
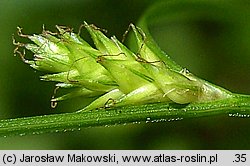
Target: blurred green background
{"points": [[215, 48]]}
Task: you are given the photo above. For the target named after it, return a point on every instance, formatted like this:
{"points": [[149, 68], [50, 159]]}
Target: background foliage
{"points": [[216, 51]]}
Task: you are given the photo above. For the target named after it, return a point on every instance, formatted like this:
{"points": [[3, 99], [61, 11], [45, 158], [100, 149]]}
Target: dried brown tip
{"points": [[19, 33], [47, 32], [97, 28], [53, 103], [17, 49]]}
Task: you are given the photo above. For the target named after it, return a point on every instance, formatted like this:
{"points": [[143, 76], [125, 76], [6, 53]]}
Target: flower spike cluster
{"points": [[113, 73]]}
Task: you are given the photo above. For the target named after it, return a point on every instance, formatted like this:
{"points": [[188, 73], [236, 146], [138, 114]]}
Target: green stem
{"points": [[238, 105]]}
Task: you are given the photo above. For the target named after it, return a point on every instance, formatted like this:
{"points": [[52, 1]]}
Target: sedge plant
{"points": [[126, 86]]}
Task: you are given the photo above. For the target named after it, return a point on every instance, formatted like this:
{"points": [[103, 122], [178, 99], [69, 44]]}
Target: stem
{"points": [[237, 106]]}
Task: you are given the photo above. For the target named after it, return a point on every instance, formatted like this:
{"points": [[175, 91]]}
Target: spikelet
{"points": [[113, 73]]}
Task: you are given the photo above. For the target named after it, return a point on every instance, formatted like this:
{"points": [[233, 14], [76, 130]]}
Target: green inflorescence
{"points": [[113, 73]]}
